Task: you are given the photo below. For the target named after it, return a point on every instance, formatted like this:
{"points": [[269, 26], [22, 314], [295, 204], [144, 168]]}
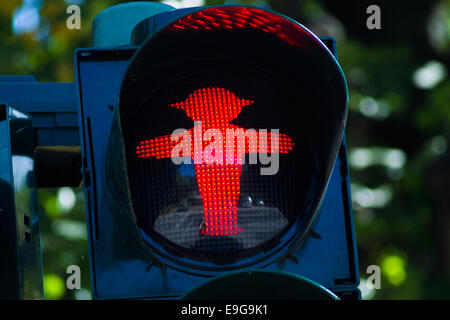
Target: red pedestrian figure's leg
{"points": [[219, 186]]}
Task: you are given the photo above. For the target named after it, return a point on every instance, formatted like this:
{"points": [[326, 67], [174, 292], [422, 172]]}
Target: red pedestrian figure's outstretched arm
{"points": [[258, 141], [159, 148]]}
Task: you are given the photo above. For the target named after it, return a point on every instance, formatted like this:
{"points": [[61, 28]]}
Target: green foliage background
{"points": [[397, 133]]}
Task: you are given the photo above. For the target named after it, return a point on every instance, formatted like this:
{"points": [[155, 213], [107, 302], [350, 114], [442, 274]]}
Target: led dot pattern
{"points": [[218, 183], [239, 18]]}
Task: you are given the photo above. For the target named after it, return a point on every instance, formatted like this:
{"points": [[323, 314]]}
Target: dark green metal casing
{"points": [[21, 260]]}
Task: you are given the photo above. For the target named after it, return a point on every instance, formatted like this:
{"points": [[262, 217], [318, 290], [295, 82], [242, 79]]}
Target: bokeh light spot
{"points": [[66, 199], [54, 287], [367, 291], [393, 266], [429, 75]]}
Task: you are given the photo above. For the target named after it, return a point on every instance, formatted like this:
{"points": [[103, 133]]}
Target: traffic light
{"points": [[212, 151], [214, 144], [21, 264]]}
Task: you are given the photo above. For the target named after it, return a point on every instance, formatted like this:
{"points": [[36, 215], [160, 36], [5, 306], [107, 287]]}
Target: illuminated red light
{"points": [[237, 17], [219, 184]]}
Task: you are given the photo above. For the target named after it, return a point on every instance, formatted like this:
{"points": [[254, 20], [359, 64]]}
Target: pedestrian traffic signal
{"points": [[208, 148]]}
